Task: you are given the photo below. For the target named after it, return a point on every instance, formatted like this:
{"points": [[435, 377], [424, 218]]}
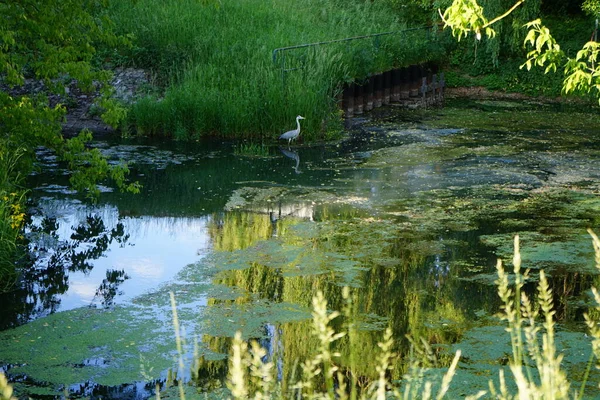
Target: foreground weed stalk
{"points": [[322, 363], [417, 387], [553, 383], [179, 342], [236, 381], [326, 336], [593, 325], [351, 329], [6, 389], [261, 374], [384, 364]]}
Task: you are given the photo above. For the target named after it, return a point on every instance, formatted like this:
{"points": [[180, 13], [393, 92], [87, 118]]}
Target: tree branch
{"points": [[510, 10]]}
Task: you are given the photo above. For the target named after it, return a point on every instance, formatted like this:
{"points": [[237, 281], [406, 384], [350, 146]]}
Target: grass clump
{"points": [[215, 59], [251, 150], [536, 368]]}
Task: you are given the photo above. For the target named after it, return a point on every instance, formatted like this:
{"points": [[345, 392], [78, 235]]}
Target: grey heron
{"points": [[293, 134]]}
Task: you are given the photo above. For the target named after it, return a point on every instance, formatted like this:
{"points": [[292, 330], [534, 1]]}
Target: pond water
{"points": [[410, 211]]}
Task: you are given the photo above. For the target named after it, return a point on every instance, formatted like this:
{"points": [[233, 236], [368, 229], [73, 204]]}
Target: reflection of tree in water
{"points": [[94, 233], [125, 391], [410, 279], [46, 275], [402, 279], [109, 287]]}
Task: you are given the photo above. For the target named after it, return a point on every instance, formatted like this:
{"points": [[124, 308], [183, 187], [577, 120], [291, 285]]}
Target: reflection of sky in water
{"points": [[157, 249]]}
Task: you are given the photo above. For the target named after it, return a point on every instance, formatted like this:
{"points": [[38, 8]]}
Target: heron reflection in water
{"points": [[294, 156]]}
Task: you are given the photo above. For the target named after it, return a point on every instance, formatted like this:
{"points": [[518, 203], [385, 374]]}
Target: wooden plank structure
{"points": [[412, 87]]}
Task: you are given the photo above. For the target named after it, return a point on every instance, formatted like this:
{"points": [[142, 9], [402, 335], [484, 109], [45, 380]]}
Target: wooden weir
{"points": [[412, 87]]}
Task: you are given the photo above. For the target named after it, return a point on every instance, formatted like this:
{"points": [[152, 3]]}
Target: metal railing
{"points": [[279, 53]]}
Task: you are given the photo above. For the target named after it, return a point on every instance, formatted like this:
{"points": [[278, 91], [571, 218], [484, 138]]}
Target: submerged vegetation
{"points": [[252, 150]]}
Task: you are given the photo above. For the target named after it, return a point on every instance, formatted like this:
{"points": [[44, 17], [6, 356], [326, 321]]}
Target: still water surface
{"points": [[411, 211]]}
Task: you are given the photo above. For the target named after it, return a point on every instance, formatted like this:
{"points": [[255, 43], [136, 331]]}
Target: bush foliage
{"points": [[53, 41]]}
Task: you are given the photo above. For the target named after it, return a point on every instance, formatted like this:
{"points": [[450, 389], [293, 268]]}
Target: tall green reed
{"points": [[215, 59]]}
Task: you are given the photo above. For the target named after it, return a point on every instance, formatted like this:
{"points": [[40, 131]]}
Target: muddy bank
{"points": [[83, 113], [482, 93], [129, 84]]}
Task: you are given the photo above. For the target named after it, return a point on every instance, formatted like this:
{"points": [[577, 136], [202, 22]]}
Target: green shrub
{"points": [[12, 212]]}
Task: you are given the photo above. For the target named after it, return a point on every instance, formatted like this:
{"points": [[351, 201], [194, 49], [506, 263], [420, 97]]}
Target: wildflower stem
{"points": [[586, 375], [178, 342]]}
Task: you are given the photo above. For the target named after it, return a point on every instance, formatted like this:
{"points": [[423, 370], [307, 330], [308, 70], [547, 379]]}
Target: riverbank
{"points": [[132, 84], [483, 93], [129, 85]]}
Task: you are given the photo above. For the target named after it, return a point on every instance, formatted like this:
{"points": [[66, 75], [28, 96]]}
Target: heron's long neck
{"points": [[298, 123]]}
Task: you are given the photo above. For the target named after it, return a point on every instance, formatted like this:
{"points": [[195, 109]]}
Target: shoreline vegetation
{"points": [[226, 82]]}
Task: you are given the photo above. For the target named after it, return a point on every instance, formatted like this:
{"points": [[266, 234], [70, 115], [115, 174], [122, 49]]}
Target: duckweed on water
{"points": [[486, 349], [514, 117], [250, 318], [575, 254], [289, 260], [270, 197], [85, 345]]}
